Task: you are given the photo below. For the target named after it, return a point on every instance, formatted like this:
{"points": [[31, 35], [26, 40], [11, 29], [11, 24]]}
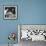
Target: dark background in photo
{"points": [[10, 9]]}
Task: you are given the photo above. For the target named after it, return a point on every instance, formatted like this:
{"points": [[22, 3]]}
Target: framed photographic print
{"points": [[32, 32], [10, 12]]}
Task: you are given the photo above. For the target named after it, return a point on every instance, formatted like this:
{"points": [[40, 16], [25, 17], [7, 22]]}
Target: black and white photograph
{"points": [[10, 12], [32, 34]]}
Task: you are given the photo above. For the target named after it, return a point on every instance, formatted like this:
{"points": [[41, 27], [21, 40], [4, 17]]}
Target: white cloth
{"points": [[24, 33], [37, 37]]}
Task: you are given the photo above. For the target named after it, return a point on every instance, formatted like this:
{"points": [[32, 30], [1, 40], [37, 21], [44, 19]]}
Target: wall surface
{"points": [[33, 12], [29, 12], [7, 26]]}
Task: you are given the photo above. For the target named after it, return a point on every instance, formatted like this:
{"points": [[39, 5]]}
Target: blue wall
{"points": [[33, 12], [29, 12]]}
